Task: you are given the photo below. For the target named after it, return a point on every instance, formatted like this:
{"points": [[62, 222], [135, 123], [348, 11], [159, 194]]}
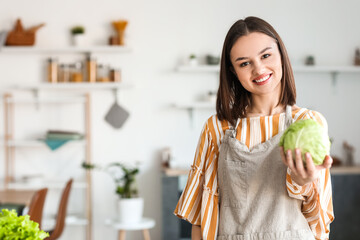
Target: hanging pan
{"points": [[117, 115]]}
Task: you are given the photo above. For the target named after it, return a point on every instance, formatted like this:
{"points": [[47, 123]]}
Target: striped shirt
{"points": [[199, 204]]}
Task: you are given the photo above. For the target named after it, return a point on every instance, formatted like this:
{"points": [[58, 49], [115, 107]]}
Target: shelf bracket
{"points": [[115, 92], [334, 76], [35, 92], [191, 116]]}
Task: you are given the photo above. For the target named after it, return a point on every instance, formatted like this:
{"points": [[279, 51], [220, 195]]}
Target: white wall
{"points": [[162, 33]]}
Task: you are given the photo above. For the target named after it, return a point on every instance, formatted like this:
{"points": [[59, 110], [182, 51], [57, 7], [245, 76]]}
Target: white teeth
{"points": [[263, 79]]}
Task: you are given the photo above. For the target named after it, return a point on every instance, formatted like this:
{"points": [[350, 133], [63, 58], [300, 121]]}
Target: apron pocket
{"points": [[235, 185]]}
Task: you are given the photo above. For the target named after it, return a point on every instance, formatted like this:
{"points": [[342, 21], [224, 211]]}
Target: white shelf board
{"points": [[49, 222], [199, 68], [61, 100], [195, 105], [41, 183], [326, 69], [297, 69], [65, 49], [69, 86], [39, 143]]}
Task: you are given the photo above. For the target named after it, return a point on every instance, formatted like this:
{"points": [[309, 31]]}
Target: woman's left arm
{"points": [[312, 184]]}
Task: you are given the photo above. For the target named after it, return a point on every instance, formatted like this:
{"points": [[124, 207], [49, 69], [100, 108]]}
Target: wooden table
{"points": [[16, 196], [145, 224]]}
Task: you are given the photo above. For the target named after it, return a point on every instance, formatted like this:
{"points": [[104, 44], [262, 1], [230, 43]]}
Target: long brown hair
{"points": [[232, 97]]}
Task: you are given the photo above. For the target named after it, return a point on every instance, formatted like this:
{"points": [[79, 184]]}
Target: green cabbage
{"points": [[14, 227], [309, 136]]}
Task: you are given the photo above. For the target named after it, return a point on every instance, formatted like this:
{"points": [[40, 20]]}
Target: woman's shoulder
{"points": [[214, 128], [214, 123], [301, 113]]}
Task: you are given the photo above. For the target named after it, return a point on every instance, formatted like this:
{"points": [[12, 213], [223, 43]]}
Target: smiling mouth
{"points": [[263, 79]]}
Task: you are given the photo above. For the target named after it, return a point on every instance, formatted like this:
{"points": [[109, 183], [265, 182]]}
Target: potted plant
{"points": [[193, 61], [78, 35], [14, 227], [130, 205]]}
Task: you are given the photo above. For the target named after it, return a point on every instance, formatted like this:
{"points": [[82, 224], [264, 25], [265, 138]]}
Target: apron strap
{"points": [[288, 116], [237, 124]]}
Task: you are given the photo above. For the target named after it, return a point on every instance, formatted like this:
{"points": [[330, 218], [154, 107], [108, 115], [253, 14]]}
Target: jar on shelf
{"points": [[103, 73], [77, 72], [53, 70], [91, 69], [64, 73], [115, 75]]}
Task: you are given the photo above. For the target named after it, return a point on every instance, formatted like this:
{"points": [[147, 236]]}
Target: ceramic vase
{"points": [[130, 210]]}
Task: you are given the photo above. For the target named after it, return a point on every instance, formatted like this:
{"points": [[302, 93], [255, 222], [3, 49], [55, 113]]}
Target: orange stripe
{"points": [[276, 120], [327, 175], [268, 129], [302, 115], [212, 175], [263, 129], [192, 202], [213, 223], [200, 149], [211, 129], [206, 215], [247, 142], [190, 199], [318, 119]]}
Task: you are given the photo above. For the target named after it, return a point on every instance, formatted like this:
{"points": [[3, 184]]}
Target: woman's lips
{"points": [[263, 79]]}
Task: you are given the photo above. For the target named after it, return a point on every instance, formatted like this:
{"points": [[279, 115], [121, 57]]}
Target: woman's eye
{"points": [[266, 56], [244, 64]]}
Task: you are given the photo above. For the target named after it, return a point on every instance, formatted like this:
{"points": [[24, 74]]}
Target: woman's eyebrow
{"points": [[261, 52]]}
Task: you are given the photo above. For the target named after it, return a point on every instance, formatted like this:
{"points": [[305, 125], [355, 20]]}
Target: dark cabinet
{"points": [[173, 227], [346, 201]]}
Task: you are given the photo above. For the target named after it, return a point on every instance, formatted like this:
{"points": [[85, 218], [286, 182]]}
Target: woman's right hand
{"points": [[195, 232], [303, 173]]}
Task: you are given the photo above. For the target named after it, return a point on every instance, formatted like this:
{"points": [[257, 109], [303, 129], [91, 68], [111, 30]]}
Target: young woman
{"points": [[241, 184]]}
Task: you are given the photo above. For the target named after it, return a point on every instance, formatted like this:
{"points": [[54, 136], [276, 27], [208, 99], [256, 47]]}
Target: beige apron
{"points": [[254, 203]]}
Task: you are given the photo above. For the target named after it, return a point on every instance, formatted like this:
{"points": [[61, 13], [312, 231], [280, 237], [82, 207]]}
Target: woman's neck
{"points": [[261, 106]]}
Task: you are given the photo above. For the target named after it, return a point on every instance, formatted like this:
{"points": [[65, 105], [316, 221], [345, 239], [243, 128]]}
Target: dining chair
{"points": [[37, 205], [61, 214]]}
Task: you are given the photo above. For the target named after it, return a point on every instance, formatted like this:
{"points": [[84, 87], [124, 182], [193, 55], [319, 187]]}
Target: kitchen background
{"points": [[162, 35]]}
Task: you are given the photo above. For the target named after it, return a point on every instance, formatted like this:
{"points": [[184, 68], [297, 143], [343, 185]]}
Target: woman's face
{"points": [[257, 63]]}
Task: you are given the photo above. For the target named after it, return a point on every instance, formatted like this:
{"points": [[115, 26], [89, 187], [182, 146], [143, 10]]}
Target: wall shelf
{"points": [[62, 100], [69, 86], [199, 69], [65, 49], [39, 143], [48, 183], [49, 222], [195, 105]]}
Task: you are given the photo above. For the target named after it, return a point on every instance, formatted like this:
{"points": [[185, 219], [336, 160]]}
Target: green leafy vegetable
{"points": [[14, 227], [309, 136]]}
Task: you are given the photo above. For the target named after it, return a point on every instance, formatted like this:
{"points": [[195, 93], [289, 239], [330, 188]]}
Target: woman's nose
{"points": [[257, 67]]}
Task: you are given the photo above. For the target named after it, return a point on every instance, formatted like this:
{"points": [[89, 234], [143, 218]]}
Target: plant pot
{"points": [[78, 40], [130, 210], [193, 62]]}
